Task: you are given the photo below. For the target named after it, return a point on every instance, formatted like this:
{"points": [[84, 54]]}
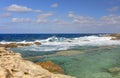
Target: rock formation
{"points": [[10, 45], [37, 43], [13, 44], [12, 65], [114, 36]]}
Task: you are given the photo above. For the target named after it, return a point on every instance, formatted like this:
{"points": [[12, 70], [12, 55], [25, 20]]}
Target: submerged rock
{"points": [[49, 65], [114, 70], [37, 43], [12, 65]]}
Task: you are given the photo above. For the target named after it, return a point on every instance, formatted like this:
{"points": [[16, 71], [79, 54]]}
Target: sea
{"points": [[80, 55]]}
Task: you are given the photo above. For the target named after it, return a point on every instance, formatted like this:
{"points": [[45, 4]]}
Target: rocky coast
{"points": [[114, 36], [15, 44], [12, 65]]}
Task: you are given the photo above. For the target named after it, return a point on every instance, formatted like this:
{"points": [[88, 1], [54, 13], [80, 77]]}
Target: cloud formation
{"points": [[78, 20], [43, 17], [21, 20], [5, 15], [111, 20], [114, 9], [19, 8], [61, 22], [82, 20], [55, 5]]}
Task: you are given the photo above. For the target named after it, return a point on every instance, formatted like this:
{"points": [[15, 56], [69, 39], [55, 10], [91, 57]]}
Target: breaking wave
{"points": [[61, 43]]}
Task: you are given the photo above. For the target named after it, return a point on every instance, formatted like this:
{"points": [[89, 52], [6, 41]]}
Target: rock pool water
{"points": [[82, 62]]}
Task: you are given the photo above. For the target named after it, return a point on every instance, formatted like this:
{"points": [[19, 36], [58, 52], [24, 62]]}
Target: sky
{"points": [[59, 16]]}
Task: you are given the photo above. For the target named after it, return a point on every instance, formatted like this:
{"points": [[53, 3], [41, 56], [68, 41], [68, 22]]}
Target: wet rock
{"points": [[13, 45], [10, 45], [25, 44], [37, 43], [114, 36], [52, 67]]}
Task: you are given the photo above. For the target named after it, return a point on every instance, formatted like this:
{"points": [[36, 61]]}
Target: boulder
{"points": [[37, 43]]}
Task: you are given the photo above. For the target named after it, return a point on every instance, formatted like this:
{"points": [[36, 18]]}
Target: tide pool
{"points": [[84, 62]]}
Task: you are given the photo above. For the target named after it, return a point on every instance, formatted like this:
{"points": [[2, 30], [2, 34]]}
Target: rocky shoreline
{"points": [[15, 44], [12, 65], [114, 36]]}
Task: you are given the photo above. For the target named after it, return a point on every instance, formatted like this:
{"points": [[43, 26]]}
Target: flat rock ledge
{"points": [[12, 65]]}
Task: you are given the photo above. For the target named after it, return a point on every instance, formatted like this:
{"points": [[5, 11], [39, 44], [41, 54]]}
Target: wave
{"points": [[81, 41], [8, 42], [61, 43]]}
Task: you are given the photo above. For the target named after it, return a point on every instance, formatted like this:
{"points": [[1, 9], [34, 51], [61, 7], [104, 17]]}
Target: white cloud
{"points": [[43, 18], [83, 20], [44, 15], [57, 21], [114, 9], [42, 21], [110, 20], [37, 11], [5, 15], [55, 5], [19, 8], [21, 20]]}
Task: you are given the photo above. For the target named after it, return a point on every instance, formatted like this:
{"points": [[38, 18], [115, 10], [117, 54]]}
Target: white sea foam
{"points": [[22, 42], [55, 44], [81, 41]]}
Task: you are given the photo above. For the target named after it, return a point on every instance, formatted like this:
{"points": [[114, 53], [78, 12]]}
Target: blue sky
{"points": [[59, 16]]}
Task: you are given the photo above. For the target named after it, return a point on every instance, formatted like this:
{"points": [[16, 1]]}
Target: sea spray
{"points": [[61, 43]]}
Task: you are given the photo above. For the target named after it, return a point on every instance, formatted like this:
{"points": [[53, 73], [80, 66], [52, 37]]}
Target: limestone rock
{"points": [[25, 44], [13, 45], [114, 36], [4, 73], [37, 43], [10, 45], [12, 65]]}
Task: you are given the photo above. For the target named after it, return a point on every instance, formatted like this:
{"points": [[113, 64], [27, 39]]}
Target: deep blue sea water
{"points": [[32, 37]]}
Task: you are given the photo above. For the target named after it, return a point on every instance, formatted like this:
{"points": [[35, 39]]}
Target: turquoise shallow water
{"points": [[94, 62]]}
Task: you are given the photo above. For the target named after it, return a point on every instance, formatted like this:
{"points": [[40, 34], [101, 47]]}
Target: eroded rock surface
{"points": [[12, 65]]}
